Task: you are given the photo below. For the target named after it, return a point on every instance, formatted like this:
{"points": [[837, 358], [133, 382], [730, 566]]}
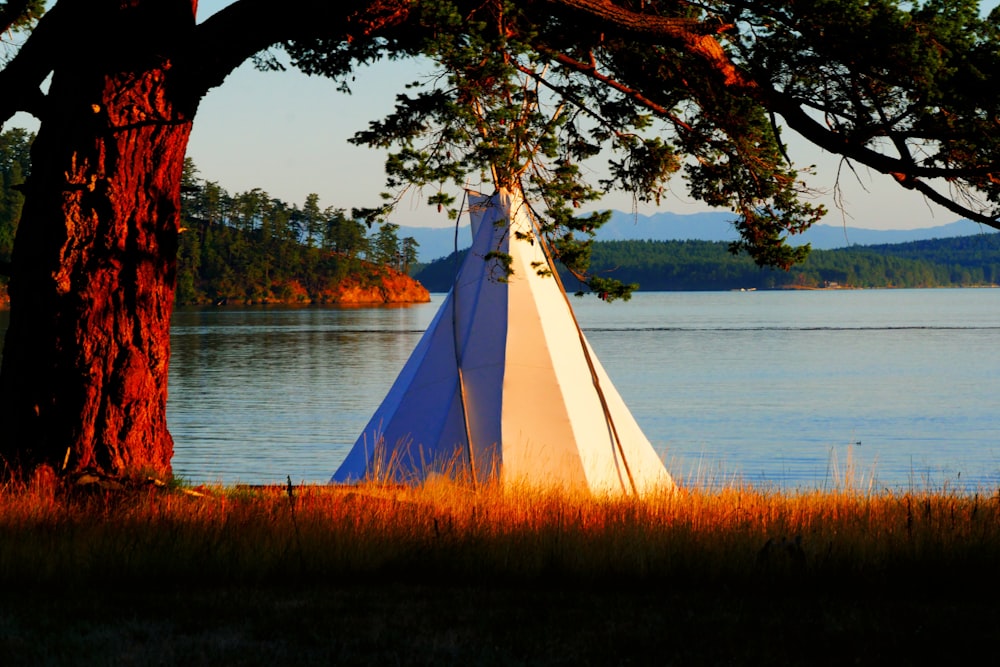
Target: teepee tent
{"points": [[504, 384]]}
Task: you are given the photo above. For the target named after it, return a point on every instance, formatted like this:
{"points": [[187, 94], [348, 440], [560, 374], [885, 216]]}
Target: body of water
{"points": [[891, 388]]}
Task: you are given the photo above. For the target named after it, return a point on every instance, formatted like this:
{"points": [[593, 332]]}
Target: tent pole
{"points": [[458, 355]]}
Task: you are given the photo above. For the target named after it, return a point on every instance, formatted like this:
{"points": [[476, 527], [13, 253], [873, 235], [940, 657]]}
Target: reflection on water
{"points": [[259, 394], [796, 388], [767, 387]]}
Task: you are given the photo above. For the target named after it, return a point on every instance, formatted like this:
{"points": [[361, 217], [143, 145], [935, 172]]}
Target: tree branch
{"points": [[23, 76], [590, 70], [234, 34], [698, 41], [638, 23], [11, 12], [911, 183]]}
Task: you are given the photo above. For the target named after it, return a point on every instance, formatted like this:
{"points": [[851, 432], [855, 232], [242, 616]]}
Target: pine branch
{"points": [[11, 13]]}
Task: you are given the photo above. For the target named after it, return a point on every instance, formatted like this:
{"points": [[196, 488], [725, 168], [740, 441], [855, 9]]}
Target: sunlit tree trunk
{"points": [[84, 378]]}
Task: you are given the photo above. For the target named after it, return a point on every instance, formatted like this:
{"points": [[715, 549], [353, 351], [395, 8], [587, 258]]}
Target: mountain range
{"points": [[436, 242]]}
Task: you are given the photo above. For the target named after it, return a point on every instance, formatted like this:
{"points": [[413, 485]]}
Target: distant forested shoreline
{"points": [[250, 247], [969, 261], [254, 248]]}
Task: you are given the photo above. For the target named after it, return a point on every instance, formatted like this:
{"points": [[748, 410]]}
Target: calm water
{"points": [[783, 388]]}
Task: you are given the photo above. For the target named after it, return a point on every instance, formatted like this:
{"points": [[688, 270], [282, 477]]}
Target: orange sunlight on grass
{"points": [[447, 530]]}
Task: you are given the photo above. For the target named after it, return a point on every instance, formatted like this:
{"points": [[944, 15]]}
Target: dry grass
{"points": [[552, 565], [250, 534]]}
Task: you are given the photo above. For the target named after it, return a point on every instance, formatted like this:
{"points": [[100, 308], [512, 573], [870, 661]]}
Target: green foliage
{"points": [[408, 253], [310, 219], [911, 88], [707, 265], [702, 265], [344, 235], [530, 93], [250, 246], [385, 245], [496, 111], [19, 16], [17, 19]]}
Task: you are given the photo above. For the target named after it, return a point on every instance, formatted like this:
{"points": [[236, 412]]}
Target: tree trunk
{"points": [[83, 384]]}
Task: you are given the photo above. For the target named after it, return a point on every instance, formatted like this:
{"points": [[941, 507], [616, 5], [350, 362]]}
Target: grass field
{"points": [[447, 575]]}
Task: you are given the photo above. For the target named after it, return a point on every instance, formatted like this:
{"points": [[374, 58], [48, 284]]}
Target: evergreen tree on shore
{"points": [[252, 247]]}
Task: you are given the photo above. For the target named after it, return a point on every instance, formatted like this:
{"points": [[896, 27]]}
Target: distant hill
{"points": [[708, 265], [440, 242], [828, 237]]}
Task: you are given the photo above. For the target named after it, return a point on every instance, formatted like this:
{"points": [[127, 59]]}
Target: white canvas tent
{"points": [[503, 383]]}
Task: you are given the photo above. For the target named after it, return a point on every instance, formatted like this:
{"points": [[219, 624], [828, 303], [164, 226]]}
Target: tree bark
{"points": [[83, 384]]}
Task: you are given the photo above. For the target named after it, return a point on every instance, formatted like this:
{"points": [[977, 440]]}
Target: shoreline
{"points": [[380, 299], [378, 290]]}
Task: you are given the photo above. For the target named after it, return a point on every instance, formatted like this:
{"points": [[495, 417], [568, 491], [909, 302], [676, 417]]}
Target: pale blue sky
{"points": [[287, 134]]}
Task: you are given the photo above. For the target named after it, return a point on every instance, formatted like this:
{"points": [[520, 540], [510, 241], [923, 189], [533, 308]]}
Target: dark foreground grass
{"points": [[445, 576], [409, 624]]}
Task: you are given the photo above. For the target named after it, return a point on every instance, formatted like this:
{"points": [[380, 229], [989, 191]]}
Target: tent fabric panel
{"points": [[422, 443], [421, 423], [357, 464], [527, 422], [559, 369], [644, 463], [414, 414], [539, 447], [482, 314]]}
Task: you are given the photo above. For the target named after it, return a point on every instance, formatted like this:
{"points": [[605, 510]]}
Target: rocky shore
{"points": [[379, 287], [387, 288], [370, 287]]}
